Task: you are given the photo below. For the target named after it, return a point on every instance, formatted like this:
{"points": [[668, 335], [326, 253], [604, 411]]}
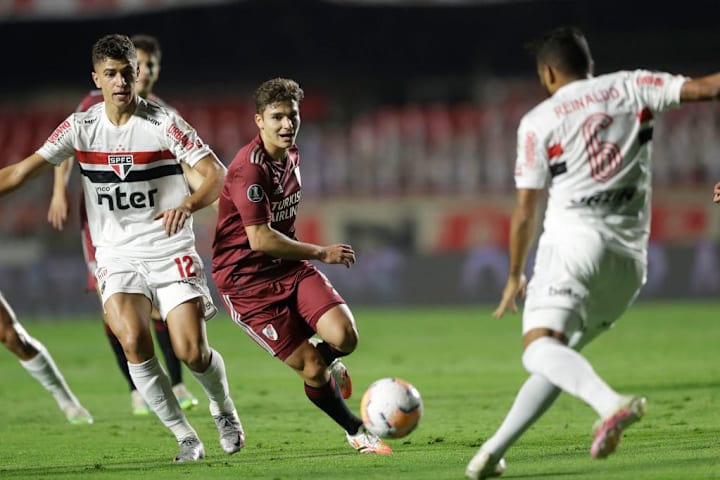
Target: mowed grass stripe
{"points": [[465, 364]]}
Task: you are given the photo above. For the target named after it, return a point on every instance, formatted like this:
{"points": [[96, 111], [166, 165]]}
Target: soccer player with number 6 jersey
{"points": [[589, 144], [140, 215]]}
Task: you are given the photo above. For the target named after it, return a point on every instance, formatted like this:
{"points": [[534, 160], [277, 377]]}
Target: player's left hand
{"points": [[338, 253], [716, 193], [58, 211], [174, 219], [514, 288]]}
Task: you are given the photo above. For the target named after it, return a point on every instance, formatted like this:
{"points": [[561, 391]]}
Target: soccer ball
{"points": [[391, 408]]}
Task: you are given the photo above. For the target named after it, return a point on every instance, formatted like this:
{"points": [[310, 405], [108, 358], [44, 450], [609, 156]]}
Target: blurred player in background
{"points": [[139, 210], [269, 289], [716, 193], [38, 362], [590, 145], [149, 55]]}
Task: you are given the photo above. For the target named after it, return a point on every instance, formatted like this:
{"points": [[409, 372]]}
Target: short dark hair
{"points": [[147, 43], [277, 90], [115, 46], [564, 48]]}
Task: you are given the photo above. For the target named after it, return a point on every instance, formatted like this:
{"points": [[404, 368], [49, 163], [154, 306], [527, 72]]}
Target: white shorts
{"points": [[166, 282], [581, 288]]}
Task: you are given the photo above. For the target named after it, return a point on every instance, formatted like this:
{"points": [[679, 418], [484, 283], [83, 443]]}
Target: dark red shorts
{"points": [[281, 314]]}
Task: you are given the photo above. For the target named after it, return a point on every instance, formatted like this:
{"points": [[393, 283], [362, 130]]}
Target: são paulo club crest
{"points": [[121, 164]]}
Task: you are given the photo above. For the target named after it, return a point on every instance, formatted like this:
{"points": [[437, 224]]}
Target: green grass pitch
{"points": [[465, 364]]}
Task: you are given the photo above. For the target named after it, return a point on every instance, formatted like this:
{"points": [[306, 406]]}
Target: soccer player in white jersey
{"points": [[140, 215], [149, 55], [38, 362], [589, 145]]}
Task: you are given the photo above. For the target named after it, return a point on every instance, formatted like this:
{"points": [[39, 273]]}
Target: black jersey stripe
{"points": [[645, 135], [109, 176]]}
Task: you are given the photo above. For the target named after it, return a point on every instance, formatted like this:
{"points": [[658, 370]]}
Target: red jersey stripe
{"points": [[139, 158], [555, 151], [645, 115]]}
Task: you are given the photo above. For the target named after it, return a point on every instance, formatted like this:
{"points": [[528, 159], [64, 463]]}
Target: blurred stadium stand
{"points": [[408, 138]]}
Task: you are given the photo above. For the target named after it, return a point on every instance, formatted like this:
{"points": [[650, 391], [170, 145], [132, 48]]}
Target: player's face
{"points": [[116, 79], [279, 125], [148, 72]]}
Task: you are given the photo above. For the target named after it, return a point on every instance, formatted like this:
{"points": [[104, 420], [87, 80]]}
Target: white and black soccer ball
{"points": [[391, 408]]}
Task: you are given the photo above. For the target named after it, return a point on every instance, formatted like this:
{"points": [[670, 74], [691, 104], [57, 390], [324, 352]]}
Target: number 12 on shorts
{"points": [[185, 266]]}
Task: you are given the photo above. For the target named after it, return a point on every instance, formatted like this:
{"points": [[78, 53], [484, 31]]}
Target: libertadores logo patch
{"points": [[255, 193]]}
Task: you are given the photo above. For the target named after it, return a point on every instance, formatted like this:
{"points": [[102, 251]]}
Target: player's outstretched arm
{"points": [[264, 238], [58, 209], [15, 175], [522, 234], [701, 89]]}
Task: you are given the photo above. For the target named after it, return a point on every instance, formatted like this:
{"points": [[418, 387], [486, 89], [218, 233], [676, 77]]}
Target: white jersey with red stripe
{"points": [[130, 173], [590, 145]]}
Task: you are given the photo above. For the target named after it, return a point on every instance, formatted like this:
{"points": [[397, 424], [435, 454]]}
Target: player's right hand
{"points": [[57, 212], [514, 288], [174, 219], [338, 254], [716, 193]]}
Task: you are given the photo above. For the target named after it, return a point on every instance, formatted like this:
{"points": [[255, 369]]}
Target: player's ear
{"points": [[96, 79], [550, 76], [259, 121]]}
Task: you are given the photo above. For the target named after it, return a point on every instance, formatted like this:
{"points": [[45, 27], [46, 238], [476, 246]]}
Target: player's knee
{"points": [[138, 347], [17, 344], [533, 354], [349, 341], [314, 371], [195, 357]]}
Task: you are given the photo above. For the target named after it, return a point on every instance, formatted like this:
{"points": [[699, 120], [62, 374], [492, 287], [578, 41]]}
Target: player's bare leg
{"points": [[188, 333], [38, 362], [128, 316], [322, 390], [339, 336], [184, 397]]}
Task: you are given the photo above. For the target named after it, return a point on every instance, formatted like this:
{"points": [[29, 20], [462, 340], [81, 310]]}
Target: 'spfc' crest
{"points": [[121, 164]]}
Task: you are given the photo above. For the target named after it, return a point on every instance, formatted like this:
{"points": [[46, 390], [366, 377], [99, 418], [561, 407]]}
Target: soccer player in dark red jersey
{"points": [[149, 55], [261, 270]]}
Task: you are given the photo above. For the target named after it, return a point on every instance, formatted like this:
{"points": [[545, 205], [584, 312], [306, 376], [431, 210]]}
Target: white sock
{"points": [[532, 400], [570, 371], [214, 381], [154, 386], [43, 369]]}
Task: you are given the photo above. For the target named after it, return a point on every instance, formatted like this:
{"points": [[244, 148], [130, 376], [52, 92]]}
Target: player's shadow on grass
{"points": [[671, 387], [133, 470], [145, 468]]}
